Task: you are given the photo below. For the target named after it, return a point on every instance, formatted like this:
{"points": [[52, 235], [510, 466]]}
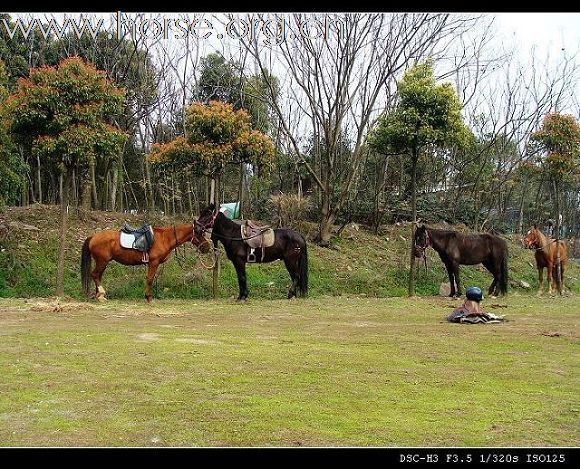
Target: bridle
{"points": [[204, 228], [193, 237], [535, 244], [208, 225], [427, 244], [424, 247]]}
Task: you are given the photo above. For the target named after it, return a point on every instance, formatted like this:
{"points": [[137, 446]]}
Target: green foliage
{"points": [[126, 65], [426, 114], [559, 139], [12, 168], [220, 80], [13, 51], [63, 113], [216, 135]]}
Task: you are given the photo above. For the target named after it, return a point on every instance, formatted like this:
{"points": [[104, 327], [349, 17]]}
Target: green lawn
{"points": [[330, 371]]}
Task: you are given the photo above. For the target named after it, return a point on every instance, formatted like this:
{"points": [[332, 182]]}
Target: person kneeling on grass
{"points": [[470, 311]]}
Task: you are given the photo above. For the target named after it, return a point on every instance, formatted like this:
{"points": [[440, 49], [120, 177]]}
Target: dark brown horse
{"points": [[455, 248], [289, 246], [105, 247], [546, 257]]}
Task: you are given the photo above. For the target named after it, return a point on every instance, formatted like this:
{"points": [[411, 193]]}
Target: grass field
{"points": [[329, 371]]}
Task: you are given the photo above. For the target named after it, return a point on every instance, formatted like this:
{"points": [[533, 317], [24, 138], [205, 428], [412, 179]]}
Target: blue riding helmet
{"points": [[474, 294]]}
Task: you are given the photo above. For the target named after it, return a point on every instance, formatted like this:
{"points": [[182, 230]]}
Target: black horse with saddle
{"points": [[247, 242]]}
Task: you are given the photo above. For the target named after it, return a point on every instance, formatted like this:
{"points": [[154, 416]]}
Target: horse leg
{"points": [[456, 274], [240, 266], [492, 290], [550, 278], [292, 268], [97, 275], [152, 269], [449, 267], [540, 280]]}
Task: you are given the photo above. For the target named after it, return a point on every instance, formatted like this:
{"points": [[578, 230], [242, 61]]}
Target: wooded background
{"points": [[318, 115]]}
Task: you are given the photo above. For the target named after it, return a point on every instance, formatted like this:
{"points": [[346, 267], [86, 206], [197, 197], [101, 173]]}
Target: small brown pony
{"points": [[546, 256], [105, 246]]}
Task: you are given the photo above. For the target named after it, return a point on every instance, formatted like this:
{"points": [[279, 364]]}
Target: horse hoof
{"points": [[101, 298]]}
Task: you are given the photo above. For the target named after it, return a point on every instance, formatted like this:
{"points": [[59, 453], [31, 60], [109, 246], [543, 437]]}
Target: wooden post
{"points": [[214, 194], [241, 190]]}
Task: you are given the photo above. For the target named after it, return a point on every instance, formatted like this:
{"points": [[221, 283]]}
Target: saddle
{"points": [[257, 237], [139, 239]]}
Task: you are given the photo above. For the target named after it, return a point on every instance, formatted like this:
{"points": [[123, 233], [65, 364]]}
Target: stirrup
{"points": [[251, 255], [145, 258]]}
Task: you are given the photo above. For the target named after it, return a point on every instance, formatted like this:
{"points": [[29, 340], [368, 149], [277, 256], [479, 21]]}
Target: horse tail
{"points": [[503, 277], [303, 271], [86, 266]]}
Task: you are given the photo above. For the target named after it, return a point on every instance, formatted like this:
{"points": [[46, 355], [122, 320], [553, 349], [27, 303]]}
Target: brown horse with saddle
{"points": [[134, 246]]}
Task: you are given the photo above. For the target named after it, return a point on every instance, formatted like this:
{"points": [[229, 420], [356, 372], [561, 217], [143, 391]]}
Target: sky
{"points": [[548, 31]]}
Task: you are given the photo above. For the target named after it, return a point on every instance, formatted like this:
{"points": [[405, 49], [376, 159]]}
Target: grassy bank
{"points": [[360, 263]]}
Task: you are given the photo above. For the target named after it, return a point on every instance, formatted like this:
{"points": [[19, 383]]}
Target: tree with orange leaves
{"points": [[215, 136], [64, 115]]}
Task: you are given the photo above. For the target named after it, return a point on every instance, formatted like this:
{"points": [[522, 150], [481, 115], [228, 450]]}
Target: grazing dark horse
{"points": [[105, 247], [455, 248], [546, 257], [289, 246]]}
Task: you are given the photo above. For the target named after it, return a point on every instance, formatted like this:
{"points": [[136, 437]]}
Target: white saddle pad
{"points": [[127, 240]]}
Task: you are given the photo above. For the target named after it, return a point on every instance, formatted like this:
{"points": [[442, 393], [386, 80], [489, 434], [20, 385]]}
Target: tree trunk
{"points": [[521, 214], [189, 198], [94, 185], [327, 218], [39, 182], [85, 197], [114, 183], [241, 189], [215, 184], [120, 205], [558, 265], [74, 196], [149, 187], [415, 156], [63, 232]]}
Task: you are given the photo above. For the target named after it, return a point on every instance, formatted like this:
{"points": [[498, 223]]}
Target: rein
{"points": [[237, 239], [192, 236], [210, 267], [541, 248], [176, 245]]}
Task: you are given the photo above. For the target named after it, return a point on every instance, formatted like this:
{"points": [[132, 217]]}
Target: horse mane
{"points": [[444, 233], [209, 210]]}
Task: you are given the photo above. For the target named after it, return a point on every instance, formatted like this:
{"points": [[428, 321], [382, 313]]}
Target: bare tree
{"points": [[339, 68]]}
